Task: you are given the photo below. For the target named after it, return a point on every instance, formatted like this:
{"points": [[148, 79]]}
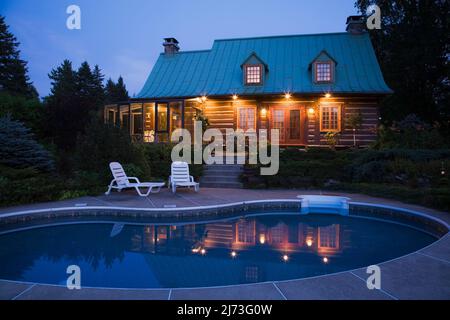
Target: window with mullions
{"points": [[323, 72], [330, 118], [253, 74]]}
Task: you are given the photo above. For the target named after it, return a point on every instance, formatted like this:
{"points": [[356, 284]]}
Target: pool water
{"points": [[244, 250]]}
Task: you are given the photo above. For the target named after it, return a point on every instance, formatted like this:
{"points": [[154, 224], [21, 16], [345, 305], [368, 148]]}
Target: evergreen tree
{"points": [[18, 149], [122, 93], [116, 92], [13, 70], [75, 97], [62, 105], [413, 50]]}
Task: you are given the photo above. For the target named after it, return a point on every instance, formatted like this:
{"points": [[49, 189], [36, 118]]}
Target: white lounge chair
{"points": [[122, 181], [180, 177]]}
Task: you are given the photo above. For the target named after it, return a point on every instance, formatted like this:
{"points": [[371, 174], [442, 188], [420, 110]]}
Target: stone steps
{"points": [[222, 176]]}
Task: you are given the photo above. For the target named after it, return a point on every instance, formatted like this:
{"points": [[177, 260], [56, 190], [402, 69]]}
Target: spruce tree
{"points": [[19, 150], [116, 92], [75, 97], [13, 70]]}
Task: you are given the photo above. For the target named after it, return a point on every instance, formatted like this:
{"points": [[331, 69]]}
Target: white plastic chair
{"points": [[180, 177], [122, 181]]}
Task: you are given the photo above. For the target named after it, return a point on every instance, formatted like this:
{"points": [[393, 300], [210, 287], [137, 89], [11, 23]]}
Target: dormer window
{"points": [[253, 74], [323, 68], [254, 70], [323, 71]]}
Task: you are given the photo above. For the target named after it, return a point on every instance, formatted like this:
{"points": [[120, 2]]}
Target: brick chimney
{"points": [[170, 46], [356, 24]]}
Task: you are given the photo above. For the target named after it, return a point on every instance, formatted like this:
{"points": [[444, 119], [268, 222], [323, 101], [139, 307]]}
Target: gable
{"points": [[218, 71], [254, 59], [323, 56]]}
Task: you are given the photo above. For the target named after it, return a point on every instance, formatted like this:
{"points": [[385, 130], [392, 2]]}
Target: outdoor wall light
{"points": [[325, 260], [311, 111], [285, 257], [309, 242], [328, 95], [235, 97], [204, 98], [263, 112], [287, 96], [233, 254]]}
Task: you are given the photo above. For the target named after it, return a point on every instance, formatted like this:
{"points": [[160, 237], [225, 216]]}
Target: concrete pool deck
{"points": [[424, 274]]}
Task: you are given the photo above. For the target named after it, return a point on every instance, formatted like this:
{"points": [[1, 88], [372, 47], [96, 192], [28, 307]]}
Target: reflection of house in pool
{"points": [[192, 254], [240, 235], [244, 234]]}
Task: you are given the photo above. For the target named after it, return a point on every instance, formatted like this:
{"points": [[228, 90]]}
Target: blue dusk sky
{"points": [[124, 37]]}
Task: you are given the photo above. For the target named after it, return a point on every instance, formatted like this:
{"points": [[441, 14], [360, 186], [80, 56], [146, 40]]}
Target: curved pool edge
{"points": [[348, 284]]}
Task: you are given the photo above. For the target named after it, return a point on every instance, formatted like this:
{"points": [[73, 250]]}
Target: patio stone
{"points": [[343, 286], [263, 291], [415, 277], [10, 289], [439, 249], [40, 292]]}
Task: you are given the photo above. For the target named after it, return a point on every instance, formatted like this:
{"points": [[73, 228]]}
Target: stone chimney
{"points": [[356, 24], [170, 46]]}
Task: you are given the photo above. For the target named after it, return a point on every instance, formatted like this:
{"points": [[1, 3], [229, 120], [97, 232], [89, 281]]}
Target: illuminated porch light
{"points": [[311, 111], [309, 242], [325, 260], [287, 96], [204, 98], [262, 238], [235, 97], [233, 254], [285, 258], [263, 112], [328, 95]]}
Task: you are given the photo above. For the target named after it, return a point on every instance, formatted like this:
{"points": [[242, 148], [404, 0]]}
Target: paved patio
{"points": [[420, 275]]}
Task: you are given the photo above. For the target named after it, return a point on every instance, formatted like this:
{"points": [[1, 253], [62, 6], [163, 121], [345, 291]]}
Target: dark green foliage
{"points": [[18, 149], [412, 48], [28, 111], [116, 92], [75, 97], [13, 70], [101, 144], [347, 170], [160, 161], [410, 133]]}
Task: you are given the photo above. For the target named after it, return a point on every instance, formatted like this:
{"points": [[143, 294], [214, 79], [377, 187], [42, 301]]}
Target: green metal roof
{"points": [[218, 71]]}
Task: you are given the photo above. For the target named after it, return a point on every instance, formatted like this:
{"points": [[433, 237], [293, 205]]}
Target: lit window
{"points": [[330, 118], [246, 118], [323, 72], [253, 74]]}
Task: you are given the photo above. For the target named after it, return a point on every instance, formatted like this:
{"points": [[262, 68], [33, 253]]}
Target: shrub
{"points": [[410, 133], [159, 159], [101, 144]]}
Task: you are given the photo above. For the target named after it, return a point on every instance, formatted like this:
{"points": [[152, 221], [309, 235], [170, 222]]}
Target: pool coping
{"points": [[189, 293]]}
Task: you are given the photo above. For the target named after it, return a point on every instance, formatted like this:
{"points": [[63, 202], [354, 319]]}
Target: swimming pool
{"points": [[244, 249]]}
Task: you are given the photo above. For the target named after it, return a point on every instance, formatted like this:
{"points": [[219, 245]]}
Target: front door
{"points": [[290, 121]]}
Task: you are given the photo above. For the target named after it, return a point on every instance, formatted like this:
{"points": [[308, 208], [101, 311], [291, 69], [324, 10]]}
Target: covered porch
{"points": [[151, 121]]}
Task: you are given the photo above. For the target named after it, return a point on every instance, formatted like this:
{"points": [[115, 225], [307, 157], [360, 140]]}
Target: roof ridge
{"points": [[286, 36]]}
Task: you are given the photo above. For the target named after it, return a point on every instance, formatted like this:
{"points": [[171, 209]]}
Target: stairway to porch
{"points": [[222, 176]]}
